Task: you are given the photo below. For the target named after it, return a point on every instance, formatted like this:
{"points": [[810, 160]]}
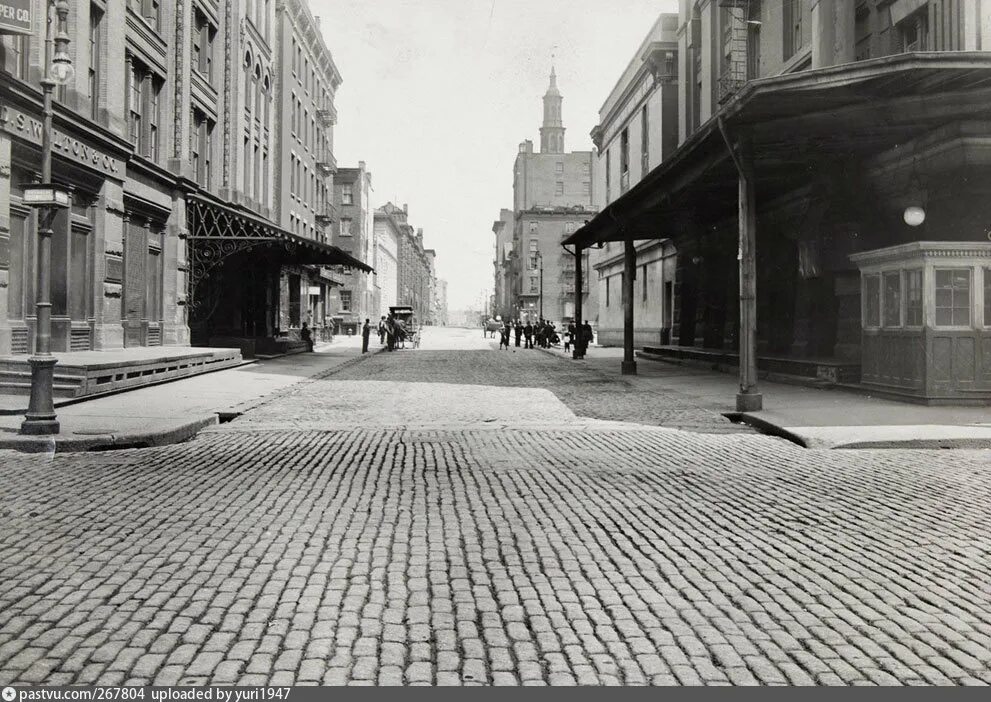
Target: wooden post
{"points": [[748, 399], [629, 277], [578, 343]]}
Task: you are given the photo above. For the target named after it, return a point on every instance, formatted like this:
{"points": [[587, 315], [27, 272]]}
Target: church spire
{"points": [[552, 132]]}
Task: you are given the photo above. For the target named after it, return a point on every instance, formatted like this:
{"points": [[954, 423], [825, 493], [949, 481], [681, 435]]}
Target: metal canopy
{"points": [[218, 231], [797, 124]]}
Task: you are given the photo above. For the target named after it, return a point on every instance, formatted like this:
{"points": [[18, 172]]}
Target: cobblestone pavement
{"points": [[304, 547]]}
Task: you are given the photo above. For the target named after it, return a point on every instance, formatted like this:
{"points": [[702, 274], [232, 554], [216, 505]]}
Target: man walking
{"points": [[382, 330], [366, 332], [528, 335], [390, 332], [587, 336], [519, 332]]}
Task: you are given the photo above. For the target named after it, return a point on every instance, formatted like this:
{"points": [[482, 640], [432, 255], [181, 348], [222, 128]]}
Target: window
{"points": [[872, 301], [534, 284], [569, 228], [643, 277], [893, 299], [608, 187], [587, 187], [202, 43], [14, 55], [624, 159], [792, 27], [913, 298], [345, 300], [347, 194], [533, 227], [135, 104], [913, 31], [532, 263], [200, 136], [95, 72], [953, 297], [559, 188], [644, 143], [534, 245], [346, 226], [559, 167]]}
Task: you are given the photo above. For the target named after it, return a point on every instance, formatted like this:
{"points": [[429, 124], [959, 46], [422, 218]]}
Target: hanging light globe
{"points": [[914, 216]]}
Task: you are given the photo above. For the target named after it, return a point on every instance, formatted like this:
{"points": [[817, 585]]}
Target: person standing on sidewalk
{"points": [[306, 336], [366, 332], [587, 336], [519, 332], [382, 331], [528, 335]]}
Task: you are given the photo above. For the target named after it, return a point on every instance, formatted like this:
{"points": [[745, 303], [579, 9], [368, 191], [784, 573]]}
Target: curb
{"points": [[766, 427], [106, 442]]}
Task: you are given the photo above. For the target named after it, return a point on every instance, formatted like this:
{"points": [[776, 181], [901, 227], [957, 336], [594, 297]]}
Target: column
{"points": [[833, 33], [748, 399], [578, 344], [629, 280]]}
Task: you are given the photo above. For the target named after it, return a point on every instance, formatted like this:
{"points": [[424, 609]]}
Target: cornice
{"points": [[921, 250]]}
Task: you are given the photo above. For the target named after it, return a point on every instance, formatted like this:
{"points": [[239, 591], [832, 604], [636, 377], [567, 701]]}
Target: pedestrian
{"points": [[528, 335], [519, 332], [382, 331], [366, 331], [306, 336], [390, 333], [587, 336], [504, 336]]}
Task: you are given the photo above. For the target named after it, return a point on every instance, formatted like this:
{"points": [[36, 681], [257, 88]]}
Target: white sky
{"points": [[438, 94]]}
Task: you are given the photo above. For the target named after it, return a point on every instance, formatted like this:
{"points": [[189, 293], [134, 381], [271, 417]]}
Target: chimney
{"points": [[405, 208]]}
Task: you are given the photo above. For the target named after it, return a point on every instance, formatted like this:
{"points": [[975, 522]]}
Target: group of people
{"points": [[543, 333], [392, 331]]}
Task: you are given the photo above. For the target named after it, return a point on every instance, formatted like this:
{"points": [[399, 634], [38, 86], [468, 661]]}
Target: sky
{"points": [[438, 94]]}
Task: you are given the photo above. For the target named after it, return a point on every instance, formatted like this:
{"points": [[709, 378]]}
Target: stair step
{"points": [[58, 389]]}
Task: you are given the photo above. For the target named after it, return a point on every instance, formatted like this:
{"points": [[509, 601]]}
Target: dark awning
{"points": [[212, 220], [797, 123]]}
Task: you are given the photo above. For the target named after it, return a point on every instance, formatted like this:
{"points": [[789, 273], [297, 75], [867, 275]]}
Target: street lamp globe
{"points": [[914, 216], [62, 71]]}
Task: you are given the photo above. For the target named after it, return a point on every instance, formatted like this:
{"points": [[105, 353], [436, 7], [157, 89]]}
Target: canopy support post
{"points": [[629, 277], [578, 343], [748, 399]]}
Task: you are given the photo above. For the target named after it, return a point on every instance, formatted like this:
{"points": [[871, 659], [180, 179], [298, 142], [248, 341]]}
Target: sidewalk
{"points": [[814, 417], [175, 411]]}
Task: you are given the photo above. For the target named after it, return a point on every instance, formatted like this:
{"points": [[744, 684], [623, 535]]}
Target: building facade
{"points": [[167, 136], [442, 318], [414, 273], [504, 298], [638, 128], [826, 217], [552, 197], [389, 229], [353, 234]]}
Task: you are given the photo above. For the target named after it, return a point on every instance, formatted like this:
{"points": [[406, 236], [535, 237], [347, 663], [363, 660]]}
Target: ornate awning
{"points": [[218, 231], [795, 122]]}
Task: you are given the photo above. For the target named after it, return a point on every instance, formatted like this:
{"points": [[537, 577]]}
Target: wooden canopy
{"points": [[796, 124]]}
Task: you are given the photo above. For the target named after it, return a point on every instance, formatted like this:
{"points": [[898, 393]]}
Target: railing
{"points": [[327, 215], [729, 83], [327, 116], [326, 162]]}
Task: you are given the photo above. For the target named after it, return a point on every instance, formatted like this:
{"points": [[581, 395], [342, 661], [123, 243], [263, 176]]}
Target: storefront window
{"points": [[893, 299], [913, 298], [872, 300], [953, 297]]}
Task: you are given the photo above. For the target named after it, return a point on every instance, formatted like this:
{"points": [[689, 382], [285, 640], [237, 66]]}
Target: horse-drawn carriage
{"points": [[407, 328]]}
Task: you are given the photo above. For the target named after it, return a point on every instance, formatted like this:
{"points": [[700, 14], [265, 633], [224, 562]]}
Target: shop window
{"points": [[14, 55], [913, 298], [953, 297], [893, 299], [872, 301]]}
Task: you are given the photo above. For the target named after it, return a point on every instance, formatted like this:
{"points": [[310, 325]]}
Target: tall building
{"points": [[638, 128], [389, 230], [442, 315], [827, 217], [414, 273], [504, 299], [354, 235], [552, 197], [165, 135]]}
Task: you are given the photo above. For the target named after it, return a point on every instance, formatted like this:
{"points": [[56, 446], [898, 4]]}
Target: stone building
{"points": [[166, 135], [354, 234], [552, 197], [504, 299], [638, 128], [828, 218], [389, 229], [414, 273]]}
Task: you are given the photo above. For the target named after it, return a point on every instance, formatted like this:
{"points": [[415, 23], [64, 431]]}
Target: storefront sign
{"points": [[15, 16], [21, 125]]}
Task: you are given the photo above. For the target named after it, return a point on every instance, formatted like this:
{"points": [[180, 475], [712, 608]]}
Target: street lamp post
{"points": [[48, 198]]}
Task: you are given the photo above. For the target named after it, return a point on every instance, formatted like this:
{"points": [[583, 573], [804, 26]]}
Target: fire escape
{"points": [[740, 45]]}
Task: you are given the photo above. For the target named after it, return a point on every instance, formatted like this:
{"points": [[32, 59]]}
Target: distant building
{"points": [[504, 299], [441, 318], [354, 234], [552, 197], [390, 224], [638, 128]]}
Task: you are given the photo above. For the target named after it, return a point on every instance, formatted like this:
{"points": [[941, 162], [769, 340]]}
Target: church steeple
{"points": [[552, 133]]}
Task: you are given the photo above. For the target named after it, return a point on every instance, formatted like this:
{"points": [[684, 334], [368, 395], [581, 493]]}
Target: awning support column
{"points": [[578, 343], [629, 277], [748, 399]]}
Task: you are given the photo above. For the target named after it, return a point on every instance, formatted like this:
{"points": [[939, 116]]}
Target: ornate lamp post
{"points": [[48, 198]]}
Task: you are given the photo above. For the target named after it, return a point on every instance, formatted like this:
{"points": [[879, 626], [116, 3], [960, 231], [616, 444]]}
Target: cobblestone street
{"points": [[463, 515]]}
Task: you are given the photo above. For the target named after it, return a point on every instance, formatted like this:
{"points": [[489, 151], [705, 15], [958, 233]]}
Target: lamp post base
{"points": [[629, 368], [749, 402], [40, 419]]}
